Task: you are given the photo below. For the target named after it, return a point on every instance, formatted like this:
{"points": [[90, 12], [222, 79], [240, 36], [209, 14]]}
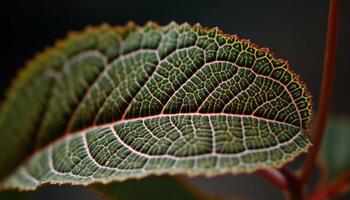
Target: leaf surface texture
{"points": [[113, 103]]}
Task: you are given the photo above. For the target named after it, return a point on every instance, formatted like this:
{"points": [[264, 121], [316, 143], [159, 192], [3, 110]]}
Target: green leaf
{"points": [[113, 103], [335, 146], [150, 188]]}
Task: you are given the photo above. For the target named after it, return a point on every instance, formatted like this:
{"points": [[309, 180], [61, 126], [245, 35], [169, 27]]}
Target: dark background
{"points": [[295, 30]]}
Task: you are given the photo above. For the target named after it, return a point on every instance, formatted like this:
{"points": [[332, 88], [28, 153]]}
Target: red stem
{"points": [[275, 177], [294, 186], [286, 181], [325, 95], [339, 185]]}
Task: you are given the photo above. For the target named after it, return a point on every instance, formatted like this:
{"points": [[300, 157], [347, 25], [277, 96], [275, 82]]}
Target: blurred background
{"points": [[295, 30]]}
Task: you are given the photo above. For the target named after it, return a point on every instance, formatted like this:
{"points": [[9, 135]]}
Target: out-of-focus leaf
{"points": [[150, 188], [336, 146]]}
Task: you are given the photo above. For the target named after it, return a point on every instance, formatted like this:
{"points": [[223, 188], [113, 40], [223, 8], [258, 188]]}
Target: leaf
{"points": [[152, 188], [113, 103], [335, 146]]}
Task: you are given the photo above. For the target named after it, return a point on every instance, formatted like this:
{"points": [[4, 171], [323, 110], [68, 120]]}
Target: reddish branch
{"points": [[286, 180], [295, 189], [275, 177], [325, 95], [341, 184]]}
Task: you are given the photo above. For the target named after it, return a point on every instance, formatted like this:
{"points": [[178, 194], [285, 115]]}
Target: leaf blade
{"points": [[47, 165], [152, 75]]}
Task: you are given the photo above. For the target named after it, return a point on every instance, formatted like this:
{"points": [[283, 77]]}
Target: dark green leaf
{"points": [[336, 146], [113, 103], [150, 188]]}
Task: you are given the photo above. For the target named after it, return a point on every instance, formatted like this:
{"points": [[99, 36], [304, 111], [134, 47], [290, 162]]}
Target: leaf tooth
{"points": [[197, 26], [131, 25], [152, 24], [172, 24], [185, 24]]}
